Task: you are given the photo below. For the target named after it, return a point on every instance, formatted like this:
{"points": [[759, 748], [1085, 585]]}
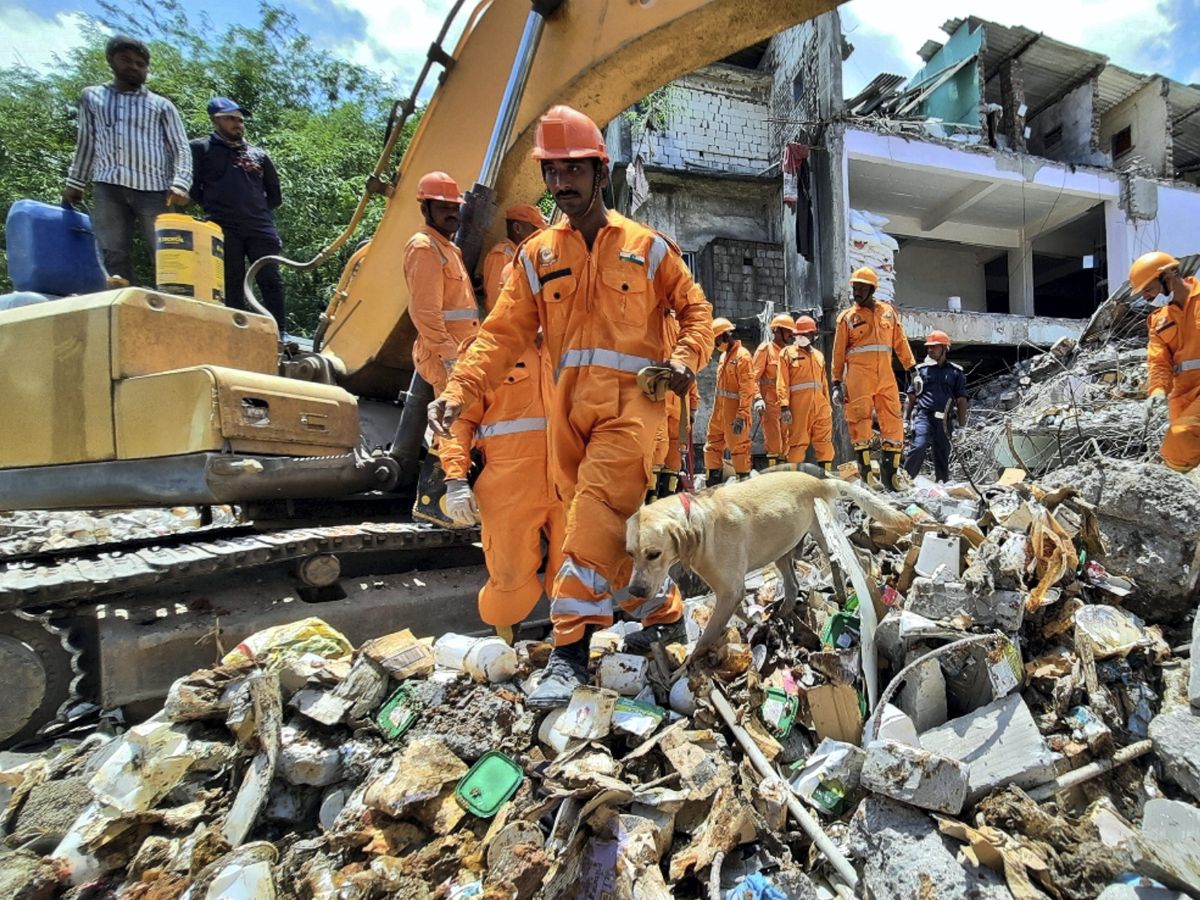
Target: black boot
{"points": [[430, 505], [715, 477], [827, 465], [668, 633], [668, 484], [565, 670], [888, 467], [862, 456]]}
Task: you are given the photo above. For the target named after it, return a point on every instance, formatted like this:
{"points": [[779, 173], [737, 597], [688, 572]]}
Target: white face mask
{"points": [[802, 341], [930, 361]]}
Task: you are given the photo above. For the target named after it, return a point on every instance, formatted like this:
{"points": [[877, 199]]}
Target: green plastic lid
{"points": [[397, 715], [491, 782]]}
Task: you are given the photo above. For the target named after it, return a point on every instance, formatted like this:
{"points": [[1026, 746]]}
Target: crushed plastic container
{"points": [[487, 659], [51, 249]]}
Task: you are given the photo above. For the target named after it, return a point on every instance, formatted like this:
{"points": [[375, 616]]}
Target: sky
{"points": [[391, 36]]}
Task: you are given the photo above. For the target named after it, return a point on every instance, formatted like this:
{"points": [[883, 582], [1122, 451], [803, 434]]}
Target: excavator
{"points": [[137, 398]]}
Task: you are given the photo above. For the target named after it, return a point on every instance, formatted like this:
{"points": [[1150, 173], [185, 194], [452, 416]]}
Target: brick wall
{"points": [[738, 275], [715, 120]]}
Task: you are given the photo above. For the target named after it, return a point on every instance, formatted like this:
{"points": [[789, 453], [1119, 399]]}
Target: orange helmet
{"points": [[720, 326], [1147, 267], [865, 275], [565, 133], [438, 186], [526, 212], [938, 339], [806, 325], [783, 320]]}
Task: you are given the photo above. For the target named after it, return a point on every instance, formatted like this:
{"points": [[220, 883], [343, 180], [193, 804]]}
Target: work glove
{"points": [[837, 393], [1154, 404], [759, 405], [460, 502], [916, 383], [785, 416], [739, 425]]}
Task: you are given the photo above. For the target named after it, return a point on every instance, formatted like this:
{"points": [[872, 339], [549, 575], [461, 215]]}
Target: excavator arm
{"points": [[599, 56]]}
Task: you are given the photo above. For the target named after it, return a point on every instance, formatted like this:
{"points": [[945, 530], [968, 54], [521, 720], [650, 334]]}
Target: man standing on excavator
{"points": [[867, 335], [596, 283], [1173, 354], [520, 221], [443, 305]]}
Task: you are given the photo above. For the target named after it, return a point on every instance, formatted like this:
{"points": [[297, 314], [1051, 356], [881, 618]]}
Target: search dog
{"points": [[724, 532]]}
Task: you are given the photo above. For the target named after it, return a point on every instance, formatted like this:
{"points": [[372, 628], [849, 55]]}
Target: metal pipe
{"points": [[810, 825], [511, 101], [1091, 770]]}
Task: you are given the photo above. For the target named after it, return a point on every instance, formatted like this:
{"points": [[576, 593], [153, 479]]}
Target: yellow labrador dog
{"points": [[723, 533]]}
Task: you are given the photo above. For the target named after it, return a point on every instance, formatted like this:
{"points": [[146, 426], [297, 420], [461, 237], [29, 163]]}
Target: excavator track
{"points": [[64, 582], [56, 651]]}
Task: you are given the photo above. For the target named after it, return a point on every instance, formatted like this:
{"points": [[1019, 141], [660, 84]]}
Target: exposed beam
{"points": [[956, 233], [1071, 85], [957, 202], [1187, 114], [1016, 53]]}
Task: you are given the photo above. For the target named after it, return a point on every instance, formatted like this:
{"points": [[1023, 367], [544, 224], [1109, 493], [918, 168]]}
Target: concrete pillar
{"points": [[1012, 98], [1119, 244], [1020, 280]]}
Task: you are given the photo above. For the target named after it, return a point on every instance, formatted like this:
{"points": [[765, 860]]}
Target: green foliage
{"points": [[321, 119]]}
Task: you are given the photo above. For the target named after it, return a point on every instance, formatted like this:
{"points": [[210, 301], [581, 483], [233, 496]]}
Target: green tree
{"points": [[321, 119]]}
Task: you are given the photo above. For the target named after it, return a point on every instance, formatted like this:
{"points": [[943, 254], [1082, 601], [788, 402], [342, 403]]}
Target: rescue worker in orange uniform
{"points": [[867, 335], [597, 284], [1173, 354], [512, 498], [766, 371], [668, 456], [803, 395], [737, 396], [443, 305], [520, 222]]}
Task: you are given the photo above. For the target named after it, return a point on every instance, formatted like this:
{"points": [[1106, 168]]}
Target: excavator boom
{"points": [[600, 56]]}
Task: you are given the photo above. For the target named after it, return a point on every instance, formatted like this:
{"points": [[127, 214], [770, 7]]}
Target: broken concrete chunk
{"points": [[905, 857], [894, 725], [915, 776], [923, 697], [1176, 740], [1000, 743], [1171, 840], [1194, 668]]}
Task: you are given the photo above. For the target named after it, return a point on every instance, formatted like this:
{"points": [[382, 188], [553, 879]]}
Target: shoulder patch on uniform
{"points": [[1163, 327], [546, 256], [631, 256]]}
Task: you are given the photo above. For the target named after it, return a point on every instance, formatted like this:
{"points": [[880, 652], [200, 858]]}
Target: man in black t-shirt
{"points": [[238, 187]]}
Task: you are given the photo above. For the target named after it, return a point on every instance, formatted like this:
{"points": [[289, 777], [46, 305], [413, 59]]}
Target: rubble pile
{"points": [[995, 704], [35, 531]]}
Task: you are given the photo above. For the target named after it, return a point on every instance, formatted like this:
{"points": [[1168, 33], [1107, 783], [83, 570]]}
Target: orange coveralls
{"points": [[443, 305], [517, 502], [736, 390], [497, 258], [1173, 360], [766, 370], [862, 360], [667, 454], [600, 312], [803, 389]]}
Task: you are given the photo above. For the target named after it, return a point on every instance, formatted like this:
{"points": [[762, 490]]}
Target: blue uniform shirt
{"points": [[237, 185], [943, 384]]}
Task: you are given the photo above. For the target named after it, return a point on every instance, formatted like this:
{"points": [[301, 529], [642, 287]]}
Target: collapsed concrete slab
{"points": [[946, 599], [904, 856], [1171, 839], [1000, 743], [1175, 736]]}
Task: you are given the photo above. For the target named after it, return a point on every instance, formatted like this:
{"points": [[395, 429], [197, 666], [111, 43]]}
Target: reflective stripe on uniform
{"points": [[454, 315], [511, 426], [1187, 365], [767, 381], [804, 386], [535, 283], [728, 395], [658, 252], [604, 358], [595, 582], [869, 348], [573, 606]]}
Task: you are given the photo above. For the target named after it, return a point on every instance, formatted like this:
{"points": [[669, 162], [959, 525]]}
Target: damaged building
{"points": [[1014, 178]]}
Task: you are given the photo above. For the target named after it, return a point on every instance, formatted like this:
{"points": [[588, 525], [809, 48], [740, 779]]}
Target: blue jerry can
{"points": [[51, 250]]}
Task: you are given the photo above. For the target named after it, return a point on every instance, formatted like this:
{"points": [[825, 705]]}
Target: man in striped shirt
{"points": [[133, 148]]}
